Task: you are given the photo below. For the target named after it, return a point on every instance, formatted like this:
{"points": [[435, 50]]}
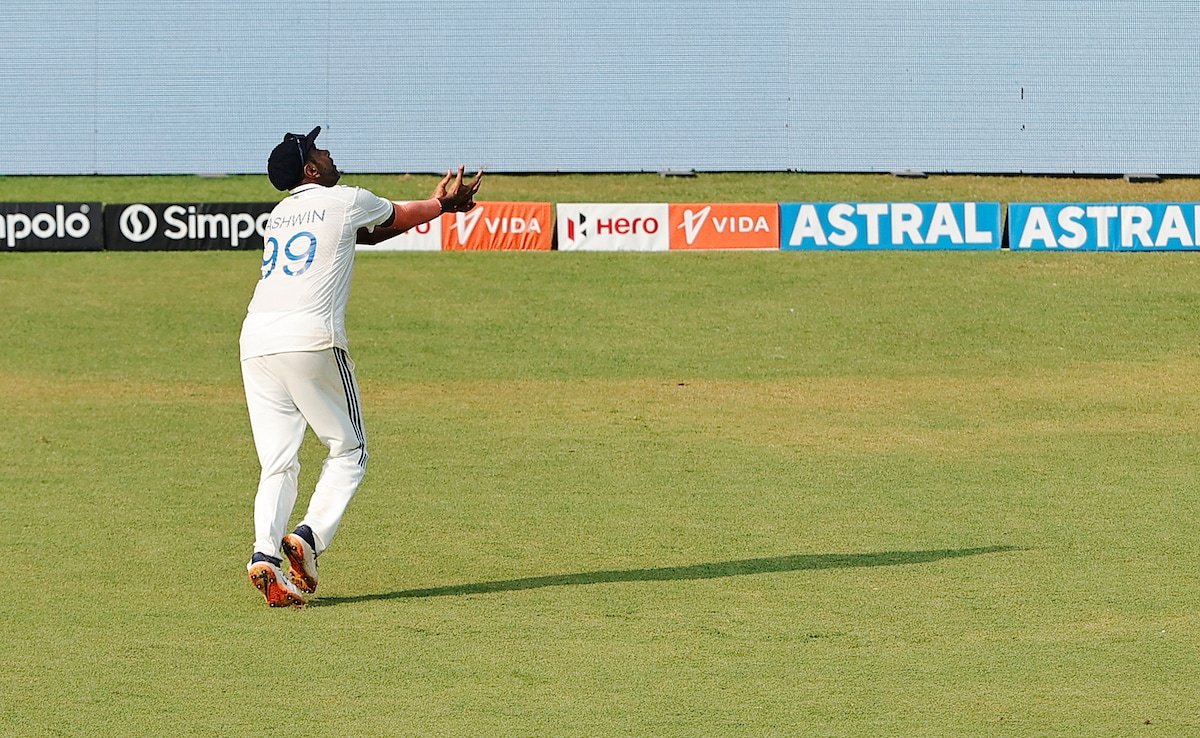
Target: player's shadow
{"points": [[772, 565]]}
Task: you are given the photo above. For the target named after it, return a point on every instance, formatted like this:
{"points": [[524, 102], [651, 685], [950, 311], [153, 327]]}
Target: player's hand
{"points": [[459, 197], [440, 190]]}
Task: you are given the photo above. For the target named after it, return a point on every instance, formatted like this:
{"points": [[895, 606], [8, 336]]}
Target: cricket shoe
{"points": [[302, 559], [269, 579]]}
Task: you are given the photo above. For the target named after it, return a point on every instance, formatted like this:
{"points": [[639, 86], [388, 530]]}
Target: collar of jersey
{"points": [[304, 188]]}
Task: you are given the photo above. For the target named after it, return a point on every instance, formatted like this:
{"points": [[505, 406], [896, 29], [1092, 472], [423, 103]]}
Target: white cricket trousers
{"points": [[284, 393]]}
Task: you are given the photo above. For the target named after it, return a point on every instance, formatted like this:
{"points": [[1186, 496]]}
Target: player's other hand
{"points": [[454, 195]]}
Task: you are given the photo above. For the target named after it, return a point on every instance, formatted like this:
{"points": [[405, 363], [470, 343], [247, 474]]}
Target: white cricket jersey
{"points": [[300, 301]]}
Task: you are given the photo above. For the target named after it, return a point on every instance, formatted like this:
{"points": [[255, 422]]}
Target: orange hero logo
{"points": [[499, 225], [725, 226]]}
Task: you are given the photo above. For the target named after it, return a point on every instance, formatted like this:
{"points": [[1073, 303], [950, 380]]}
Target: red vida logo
{"points": [[499, 225], [725, 226]]}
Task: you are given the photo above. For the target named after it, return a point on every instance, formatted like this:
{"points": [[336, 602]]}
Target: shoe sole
{"points": [[295, 556], [263, 579]]}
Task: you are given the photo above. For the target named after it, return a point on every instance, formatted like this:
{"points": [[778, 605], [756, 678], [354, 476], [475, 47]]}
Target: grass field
{"points": [[876, 494], [706, 187]]}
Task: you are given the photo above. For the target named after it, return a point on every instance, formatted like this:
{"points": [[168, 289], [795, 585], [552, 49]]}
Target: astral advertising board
{"points": [[902, 226], [1092, 226]]}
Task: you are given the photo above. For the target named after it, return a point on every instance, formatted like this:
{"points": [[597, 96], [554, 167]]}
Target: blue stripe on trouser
{"points": [[352, 403]]}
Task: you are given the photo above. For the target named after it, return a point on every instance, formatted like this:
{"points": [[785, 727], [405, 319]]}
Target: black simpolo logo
{"points": [[51, 226], [186, 226]]}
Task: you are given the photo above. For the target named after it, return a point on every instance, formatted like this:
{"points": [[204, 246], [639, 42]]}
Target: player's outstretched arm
{"points": [[449, 196]]}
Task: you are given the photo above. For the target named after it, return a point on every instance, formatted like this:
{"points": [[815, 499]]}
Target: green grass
{"points": [[619, 495], [706, 187]]}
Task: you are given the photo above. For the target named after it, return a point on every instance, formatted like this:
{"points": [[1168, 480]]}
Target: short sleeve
{"points": [[369, 209]]}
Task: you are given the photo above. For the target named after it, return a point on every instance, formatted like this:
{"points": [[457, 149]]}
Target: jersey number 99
{"points": [[293, 254]]}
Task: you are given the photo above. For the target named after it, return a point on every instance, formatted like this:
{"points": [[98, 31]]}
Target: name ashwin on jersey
{"points": [[297, 219]]}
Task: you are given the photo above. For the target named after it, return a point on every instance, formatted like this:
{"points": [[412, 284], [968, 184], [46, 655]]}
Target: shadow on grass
{"points": [[773, 565]]}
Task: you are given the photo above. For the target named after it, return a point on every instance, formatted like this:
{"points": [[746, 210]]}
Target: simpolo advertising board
{"points": [[922, 226], [1096, 226], [186, 226], [51, 226]]}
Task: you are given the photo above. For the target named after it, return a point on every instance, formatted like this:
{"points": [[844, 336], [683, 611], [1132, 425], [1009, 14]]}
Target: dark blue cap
{"points": [[285, 166]]}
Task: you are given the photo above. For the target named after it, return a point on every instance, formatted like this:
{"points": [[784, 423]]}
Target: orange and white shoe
{"points": [[302, 562], [269, 579]]}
